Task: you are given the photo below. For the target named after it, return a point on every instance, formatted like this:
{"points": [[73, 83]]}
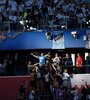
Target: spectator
{"points": [[56, 60], [79, 63], [87, 65], [75, 94], [41, 58], [32, 94], [13, 21], [22, 91], [68, 60], [66, 79]]}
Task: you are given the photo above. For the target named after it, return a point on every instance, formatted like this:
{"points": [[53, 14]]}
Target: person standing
{"points": [[79, 62], [87, 65], [41, 58], [56, 59], [66, 79]]}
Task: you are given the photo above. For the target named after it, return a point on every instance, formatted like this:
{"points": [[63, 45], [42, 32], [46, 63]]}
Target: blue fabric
{"points": [[42, 59], [37, 40]]}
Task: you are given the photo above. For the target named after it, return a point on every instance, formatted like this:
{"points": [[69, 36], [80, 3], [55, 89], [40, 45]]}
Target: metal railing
{"points": [[27, 25]]}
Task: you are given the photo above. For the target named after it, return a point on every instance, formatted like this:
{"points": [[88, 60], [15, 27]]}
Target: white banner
{"points": [[58, 41], [79, 80]]}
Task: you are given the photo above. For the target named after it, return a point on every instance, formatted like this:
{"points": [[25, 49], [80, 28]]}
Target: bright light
{"points": [[21, 22], [27, 26], [74, 35], [26, 21], [27, 29], [87, 22], [29, 21], [74, 32], [34, 29], [62, 26], [31, 28]]}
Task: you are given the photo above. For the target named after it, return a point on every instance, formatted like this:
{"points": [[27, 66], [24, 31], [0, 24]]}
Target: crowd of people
{"points": [[52, 78], [22, 64], [51, 83], [44, 13]]}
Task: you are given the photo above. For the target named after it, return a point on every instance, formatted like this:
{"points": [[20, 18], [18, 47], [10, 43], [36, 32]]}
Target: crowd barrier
{"points": [[24, 25], [80, 80], [9, 85]]}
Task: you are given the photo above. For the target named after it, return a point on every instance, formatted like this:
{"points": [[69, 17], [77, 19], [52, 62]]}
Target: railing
{"points": [[77, 70], [71, 69], [27, 25]]}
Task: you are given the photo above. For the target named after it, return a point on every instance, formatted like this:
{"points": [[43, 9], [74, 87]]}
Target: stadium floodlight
{"points": [[74, 34]]}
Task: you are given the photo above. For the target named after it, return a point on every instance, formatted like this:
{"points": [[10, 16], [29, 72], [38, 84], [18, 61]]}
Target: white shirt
{"points": [[28, 3], [51, 11], [65, 76], [56, 60], [21, 7], [13, 18], [60, 3], [38, 75], [59, 16], [47, 77], [13, 5]]}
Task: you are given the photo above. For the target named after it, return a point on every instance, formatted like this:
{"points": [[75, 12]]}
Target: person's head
{"points": [[56, 55], [47, 61], [78, 54], [29, 62], [65, 70], [67, 55], [42, 54]]}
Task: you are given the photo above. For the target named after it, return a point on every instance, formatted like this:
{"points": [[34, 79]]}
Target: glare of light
{"points": [[28, 29], [87, 22], [21, 22], [74, 35], [62, 26], [26, 21], [74, 32], [34, 29], [27, 26], [31, 28]]}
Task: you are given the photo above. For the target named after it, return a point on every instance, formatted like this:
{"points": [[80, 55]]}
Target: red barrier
{"points": [[9, 86]]}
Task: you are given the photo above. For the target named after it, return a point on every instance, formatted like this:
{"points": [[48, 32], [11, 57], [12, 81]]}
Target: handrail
{"points": [[67, 23]]}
